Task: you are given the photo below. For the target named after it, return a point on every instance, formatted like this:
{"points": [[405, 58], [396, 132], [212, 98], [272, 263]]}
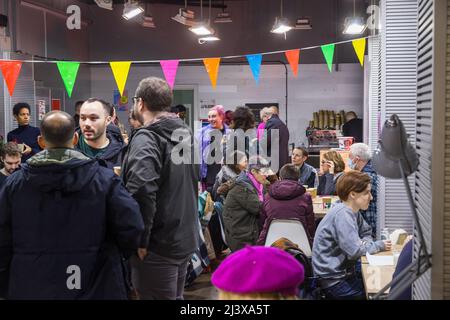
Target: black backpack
{"points": [[309, 284]]}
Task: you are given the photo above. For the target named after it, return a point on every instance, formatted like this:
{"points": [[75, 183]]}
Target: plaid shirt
{"points": [[370, 215]]}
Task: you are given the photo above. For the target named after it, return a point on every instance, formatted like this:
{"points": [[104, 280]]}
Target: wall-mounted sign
{"points": [[56, 104], [41, 109]]}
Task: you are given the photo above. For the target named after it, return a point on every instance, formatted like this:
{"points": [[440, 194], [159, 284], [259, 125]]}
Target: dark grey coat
{"points": [[241, 214], [166, 192]]}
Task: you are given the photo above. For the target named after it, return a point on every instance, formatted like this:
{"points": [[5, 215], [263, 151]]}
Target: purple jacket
{"points": [[287, 199], [204, 141]]}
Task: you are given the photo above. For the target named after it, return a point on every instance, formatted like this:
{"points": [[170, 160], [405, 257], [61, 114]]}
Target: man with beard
{"points": [[166, 192], [10, 158], [95, 140]]}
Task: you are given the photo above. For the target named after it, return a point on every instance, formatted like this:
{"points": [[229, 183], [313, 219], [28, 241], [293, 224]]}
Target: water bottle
{"points": [[385, 234]]}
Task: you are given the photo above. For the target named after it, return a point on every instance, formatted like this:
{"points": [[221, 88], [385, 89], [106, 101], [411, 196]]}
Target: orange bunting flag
{"points": [[10, 70], [212, 67], [293, 58]]}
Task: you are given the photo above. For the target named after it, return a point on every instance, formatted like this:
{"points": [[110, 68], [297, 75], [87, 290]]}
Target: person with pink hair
{"points": [[208, 172]]}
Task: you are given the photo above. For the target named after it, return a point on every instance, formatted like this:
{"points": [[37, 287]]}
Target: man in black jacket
{"points": [[353, 127], [66, 223], [274, 122], [166, 192]]}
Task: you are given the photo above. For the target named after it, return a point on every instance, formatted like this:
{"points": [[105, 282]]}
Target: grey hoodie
{"points": [[342, 237]]}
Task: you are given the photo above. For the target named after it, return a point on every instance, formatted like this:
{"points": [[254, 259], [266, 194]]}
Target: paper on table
{"points": [[380, 260]]}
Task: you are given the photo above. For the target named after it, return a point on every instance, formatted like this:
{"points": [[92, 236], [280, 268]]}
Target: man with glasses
{"points": [[166, 193]]}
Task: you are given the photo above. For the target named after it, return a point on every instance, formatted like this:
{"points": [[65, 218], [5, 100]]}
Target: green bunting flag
{"points": [[328, 53], [68, 71]]}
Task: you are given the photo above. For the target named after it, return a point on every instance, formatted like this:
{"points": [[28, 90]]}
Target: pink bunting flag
{"points": [[170, 68]]}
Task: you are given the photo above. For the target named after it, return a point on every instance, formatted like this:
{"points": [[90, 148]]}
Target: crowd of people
{"points": [[89, 212]]}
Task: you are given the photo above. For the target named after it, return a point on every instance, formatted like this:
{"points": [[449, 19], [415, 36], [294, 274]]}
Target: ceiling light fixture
{"points": [[185, 16], [303, 23], [131, 9], [202, 28], [147, 22], [203, 40], [354, 25], [147, 19], [105, 4], [281, 24], [223, 17]]}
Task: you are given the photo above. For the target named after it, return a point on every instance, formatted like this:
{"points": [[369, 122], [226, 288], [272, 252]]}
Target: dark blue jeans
{"points": [[351, 288]]}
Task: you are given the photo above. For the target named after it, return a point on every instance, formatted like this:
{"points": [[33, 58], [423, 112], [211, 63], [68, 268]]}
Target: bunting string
{"points": [[193, 59], [68, 69]]}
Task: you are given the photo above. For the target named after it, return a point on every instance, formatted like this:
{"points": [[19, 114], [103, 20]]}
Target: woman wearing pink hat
{"points": [[256, 273]]}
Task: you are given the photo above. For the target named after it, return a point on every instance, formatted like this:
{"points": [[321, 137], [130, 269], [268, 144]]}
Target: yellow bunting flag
{"points": [[212, 67], [293, 57], [120, 70], [360, 48]]}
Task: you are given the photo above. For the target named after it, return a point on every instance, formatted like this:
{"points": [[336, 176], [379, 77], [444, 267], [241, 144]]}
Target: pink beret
{"points": [[257, 270]]}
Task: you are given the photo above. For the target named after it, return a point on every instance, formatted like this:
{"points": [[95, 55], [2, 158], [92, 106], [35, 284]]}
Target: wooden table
{"points": [[319, 211], [376, 278]]}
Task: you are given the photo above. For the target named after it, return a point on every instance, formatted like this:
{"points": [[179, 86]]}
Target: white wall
{"points": [[314, 89]]}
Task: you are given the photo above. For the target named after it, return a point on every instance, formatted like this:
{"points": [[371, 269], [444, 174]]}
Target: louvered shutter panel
{"points": [[374, 54], [399, 93], [446, 240], [423, 195]]}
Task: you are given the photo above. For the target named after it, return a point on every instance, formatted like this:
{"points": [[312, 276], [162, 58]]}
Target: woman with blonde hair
{"points": [[331, 168], [258, 273]]}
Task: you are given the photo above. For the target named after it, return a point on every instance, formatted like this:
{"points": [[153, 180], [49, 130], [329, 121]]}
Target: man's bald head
{"points": [[57, 129]]}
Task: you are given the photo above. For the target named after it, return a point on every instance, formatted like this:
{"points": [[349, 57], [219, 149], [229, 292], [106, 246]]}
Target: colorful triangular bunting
{"points": [[254, 60], [68, 72], [120, 70], [293, 58], [10, 70], [212, 67], [360, 48], [170, 68], [328, 53]]}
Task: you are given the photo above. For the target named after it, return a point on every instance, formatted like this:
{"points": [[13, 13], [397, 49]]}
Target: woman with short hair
{"points": [[342, 237]]}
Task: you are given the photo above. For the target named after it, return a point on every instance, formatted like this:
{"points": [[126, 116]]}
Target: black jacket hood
{"points": [[166, 125], [286, 190], [65, 170]]}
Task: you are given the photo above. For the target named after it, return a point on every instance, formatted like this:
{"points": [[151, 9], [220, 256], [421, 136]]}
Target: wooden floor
{"points": [[201, 289]]}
